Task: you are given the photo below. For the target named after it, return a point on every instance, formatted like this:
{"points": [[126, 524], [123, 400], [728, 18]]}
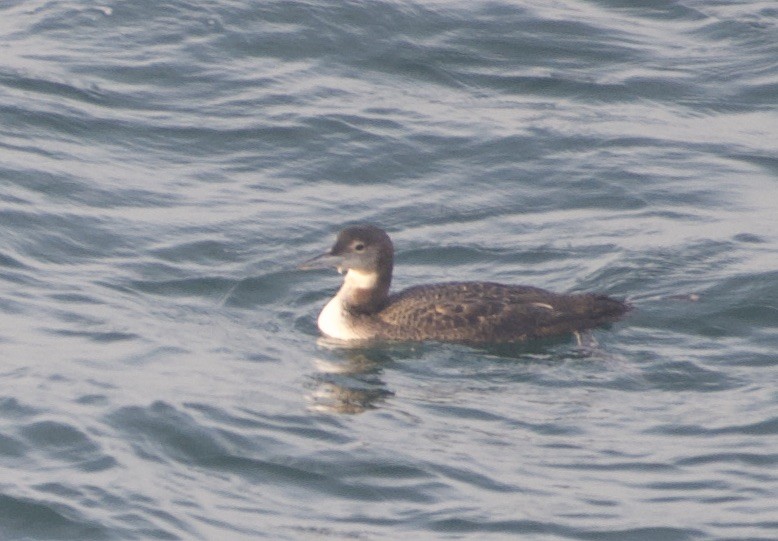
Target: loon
{"points": [[465, 312]]}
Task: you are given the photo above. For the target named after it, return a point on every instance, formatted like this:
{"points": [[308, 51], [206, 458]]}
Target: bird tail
{"points": [[604, 309]]}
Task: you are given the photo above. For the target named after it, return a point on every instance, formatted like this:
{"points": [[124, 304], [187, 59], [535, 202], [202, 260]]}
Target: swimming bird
{"points": [[467, 312]]}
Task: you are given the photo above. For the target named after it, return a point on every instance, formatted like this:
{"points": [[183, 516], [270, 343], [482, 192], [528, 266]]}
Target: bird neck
{"points": [[365, 292]]}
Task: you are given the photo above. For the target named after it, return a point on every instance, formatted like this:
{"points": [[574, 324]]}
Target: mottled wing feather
{"points": [[490, 312]]}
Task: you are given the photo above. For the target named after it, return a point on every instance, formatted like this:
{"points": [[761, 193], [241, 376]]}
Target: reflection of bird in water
{"points": [[351, 385], [468, 312]]}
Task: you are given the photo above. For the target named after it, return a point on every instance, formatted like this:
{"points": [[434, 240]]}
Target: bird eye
{"points": [[359, 247]]}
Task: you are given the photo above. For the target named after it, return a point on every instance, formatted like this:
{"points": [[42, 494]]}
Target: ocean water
{"points": [[165, 165]]}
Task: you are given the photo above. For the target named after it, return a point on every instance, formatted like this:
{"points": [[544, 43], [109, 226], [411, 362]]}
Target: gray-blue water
{"points": [[164, 166]]}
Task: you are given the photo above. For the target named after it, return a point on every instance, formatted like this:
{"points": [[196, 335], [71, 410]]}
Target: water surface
{"points": [[164, 166]]}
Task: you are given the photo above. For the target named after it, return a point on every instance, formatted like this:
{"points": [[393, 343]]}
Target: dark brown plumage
{"points": [[490, 312], [470, 312]]}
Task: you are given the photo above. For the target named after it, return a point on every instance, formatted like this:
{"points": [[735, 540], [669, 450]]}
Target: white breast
{"points": [[334, 323], [334, 320]]}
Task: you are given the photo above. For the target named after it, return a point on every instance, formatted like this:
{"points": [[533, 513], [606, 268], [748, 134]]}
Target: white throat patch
{"points": [[356, 279]]}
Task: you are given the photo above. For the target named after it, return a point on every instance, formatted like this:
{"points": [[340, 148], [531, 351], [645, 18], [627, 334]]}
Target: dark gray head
{"points": [[366, 253], [365, 248]]}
